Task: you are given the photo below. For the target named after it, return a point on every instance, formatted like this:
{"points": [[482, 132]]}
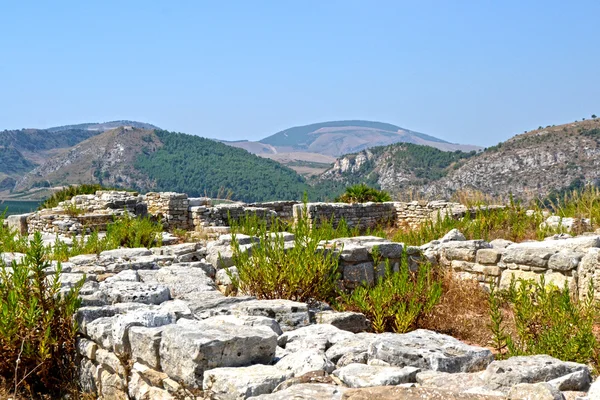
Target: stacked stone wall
{"points": [[171, 208], [284, 209], [571, 261], [362, 215]]}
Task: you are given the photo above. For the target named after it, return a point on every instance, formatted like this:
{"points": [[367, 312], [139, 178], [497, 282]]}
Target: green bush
{"points": [[272, 271], [362, 193], [399, 299], [37, 326], [544, 319], [132, 232]]}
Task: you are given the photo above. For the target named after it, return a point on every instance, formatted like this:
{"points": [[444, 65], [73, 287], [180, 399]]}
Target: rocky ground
{"points": [[155, 325]]}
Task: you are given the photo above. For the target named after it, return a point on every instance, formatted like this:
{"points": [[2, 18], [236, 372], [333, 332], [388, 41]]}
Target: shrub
{"points": [[544, 319], [37, 326], [362, 193], [270, 270], [399, 299], [128, 231]]}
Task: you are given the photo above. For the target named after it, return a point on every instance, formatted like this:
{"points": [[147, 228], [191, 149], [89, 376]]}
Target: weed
{"points": [[37, 326], [544, 319], [399, 299], [271, 270]]}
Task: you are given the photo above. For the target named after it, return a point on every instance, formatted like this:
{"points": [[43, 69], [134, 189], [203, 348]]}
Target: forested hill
{"points": [[149, 160], [204, 167]]}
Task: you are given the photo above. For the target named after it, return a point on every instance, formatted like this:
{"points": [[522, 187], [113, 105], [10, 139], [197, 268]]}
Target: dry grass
{"points": [[463, 311]]}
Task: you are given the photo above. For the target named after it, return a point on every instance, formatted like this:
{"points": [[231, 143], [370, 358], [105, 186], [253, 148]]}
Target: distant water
{"points": [[18, 207]]}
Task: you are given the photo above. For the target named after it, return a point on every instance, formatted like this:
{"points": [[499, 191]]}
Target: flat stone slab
{"points": [[242, 382], [429, 350], [417, 393], [134, 292], [189, 348], [504, 374], [305, 391], [347, 321], [289, 314], [360, 375]]}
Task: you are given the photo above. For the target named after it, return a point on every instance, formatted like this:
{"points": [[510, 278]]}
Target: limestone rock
{"points": [[417, 393], [360, 375], [355, 346], [527, 369], [319, 376], [319, 337], [429, 350], [189, 348], [453, 235], [305, 391], [348, 321], [301, 362], [289, 314], [242, 382], [534, 391]]}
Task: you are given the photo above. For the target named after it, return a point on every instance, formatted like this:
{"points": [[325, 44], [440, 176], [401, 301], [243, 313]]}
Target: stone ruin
{"points": [[157, 323]]}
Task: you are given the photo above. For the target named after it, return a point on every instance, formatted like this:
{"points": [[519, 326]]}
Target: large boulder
{"points": [[429, 350], [416, 393]]}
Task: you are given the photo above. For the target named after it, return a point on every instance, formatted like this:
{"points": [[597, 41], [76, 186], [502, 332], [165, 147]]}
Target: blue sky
{"points": [[465, 71]]}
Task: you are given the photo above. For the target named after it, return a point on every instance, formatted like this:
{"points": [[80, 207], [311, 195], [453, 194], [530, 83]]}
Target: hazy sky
{"points": [[465, 71]]}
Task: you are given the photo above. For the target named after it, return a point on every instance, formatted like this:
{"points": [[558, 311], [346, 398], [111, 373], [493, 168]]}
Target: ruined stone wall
{"points": [[362, 215], [172, 209], [284, 209], [206, 216], [570, 261], [414, 213]]}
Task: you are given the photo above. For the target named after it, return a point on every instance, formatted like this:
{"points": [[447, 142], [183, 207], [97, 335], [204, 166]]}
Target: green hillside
{"points": [[199, 167]]}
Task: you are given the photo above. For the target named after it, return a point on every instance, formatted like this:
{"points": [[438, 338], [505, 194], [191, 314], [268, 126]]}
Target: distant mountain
{"points": [[23, 149], [311, 149], [336, 138], [159, 160]]}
